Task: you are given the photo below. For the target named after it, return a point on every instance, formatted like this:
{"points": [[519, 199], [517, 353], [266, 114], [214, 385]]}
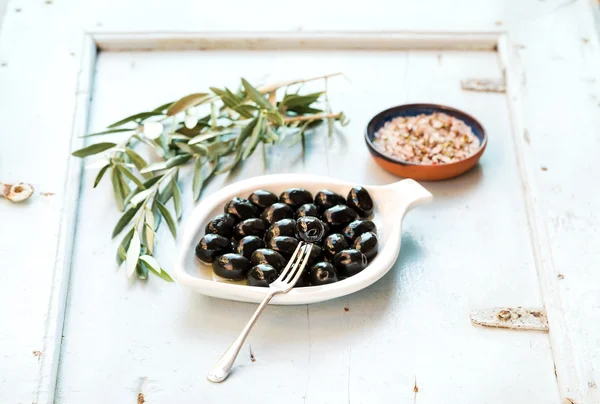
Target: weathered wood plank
{"points": [[558, 45]]}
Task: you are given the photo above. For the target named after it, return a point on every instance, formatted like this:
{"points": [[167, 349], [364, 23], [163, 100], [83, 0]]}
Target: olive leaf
{"points": [[133, 253], [151, 262], [247, 131], [256, 95], [141, 270], [192, 132], [140, 196], [107, 132], [210, 135], [136, 159], [275, 117], [176, 198], [93, 149], [154, 266], [178, 160], [117, 189], [137, 117], [189, 149], [124, 185], [218, 149], [161, 165], [122, 250], [202, 173], [125, 171], [100, 175], [166, 193], [198, 180], [256, 136], [187, 102], [147, 184], [294, 100], [168, 218], [125, 219], [303, 110], [149, 229], [151, 181], [230, 100], [247, 111]]}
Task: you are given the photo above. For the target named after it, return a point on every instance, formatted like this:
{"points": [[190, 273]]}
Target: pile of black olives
{"points": [[254, 238]]}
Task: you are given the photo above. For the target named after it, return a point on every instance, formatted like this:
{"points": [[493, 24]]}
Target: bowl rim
{"points": [[441, 108]]}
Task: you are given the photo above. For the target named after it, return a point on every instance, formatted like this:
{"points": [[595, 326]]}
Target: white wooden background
{"points": [[411, 324]]}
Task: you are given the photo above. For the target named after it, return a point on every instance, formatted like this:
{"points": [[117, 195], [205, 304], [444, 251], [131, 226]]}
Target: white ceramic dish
{"points": [[392, 202]]}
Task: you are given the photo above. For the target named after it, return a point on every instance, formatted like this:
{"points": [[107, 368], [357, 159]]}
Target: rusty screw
{"points": [[504, 315], [16, 192]]}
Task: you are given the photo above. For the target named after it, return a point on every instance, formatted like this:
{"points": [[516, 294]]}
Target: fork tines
{"points": [[295, 266]]}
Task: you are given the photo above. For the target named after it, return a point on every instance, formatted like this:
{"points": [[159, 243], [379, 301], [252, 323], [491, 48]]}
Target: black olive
{"points": [[241, 208], [333, 244], [360, 200], [316, 254], [308, 209], [283, 227], [266, 256], [249, 227], [322, 273], [296, 197], [248, 245], [304, 278], [339, 216], [349, 262], [211, 246], [262, 275], [276, 212], [367, 244], [310, 229], [231, 266], [261, 199], [358, 227], [326, 199], [283, 244], [222, 225]]}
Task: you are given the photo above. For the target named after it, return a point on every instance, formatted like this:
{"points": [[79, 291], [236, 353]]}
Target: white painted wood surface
{"points": [[388, 326], [557, 49]]}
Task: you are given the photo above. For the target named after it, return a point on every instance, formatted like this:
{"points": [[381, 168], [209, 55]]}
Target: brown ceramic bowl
{"points": [[421, 171]]}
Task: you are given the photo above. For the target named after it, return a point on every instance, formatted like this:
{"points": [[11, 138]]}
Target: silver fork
{"points": [[283, 284]]}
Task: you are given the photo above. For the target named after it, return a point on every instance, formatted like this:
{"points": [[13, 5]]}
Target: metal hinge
{"points": [[518, 318]]}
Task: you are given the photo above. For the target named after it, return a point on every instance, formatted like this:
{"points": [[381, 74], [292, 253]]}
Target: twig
{"points": [[267, 88], [311, 117]]}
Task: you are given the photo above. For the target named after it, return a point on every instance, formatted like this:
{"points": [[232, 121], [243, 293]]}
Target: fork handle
{"points": [[222, 368]]}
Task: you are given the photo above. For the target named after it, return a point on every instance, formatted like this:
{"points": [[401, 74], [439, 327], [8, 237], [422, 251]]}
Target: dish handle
{"points": [[410, 194]]}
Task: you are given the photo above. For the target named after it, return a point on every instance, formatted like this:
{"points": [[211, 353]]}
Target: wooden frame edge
{"points": [[55, 318], [570, 387], [315, 40]]}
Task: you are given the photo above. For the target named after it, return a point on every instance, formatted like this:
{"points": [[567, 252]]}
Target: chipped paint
{"points": [[484, 85], [518, 318], [18, 192]]}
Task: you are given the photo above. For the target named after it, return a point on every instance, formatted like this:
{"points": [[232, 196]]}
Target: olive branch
{"points": [[234, 125]]}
